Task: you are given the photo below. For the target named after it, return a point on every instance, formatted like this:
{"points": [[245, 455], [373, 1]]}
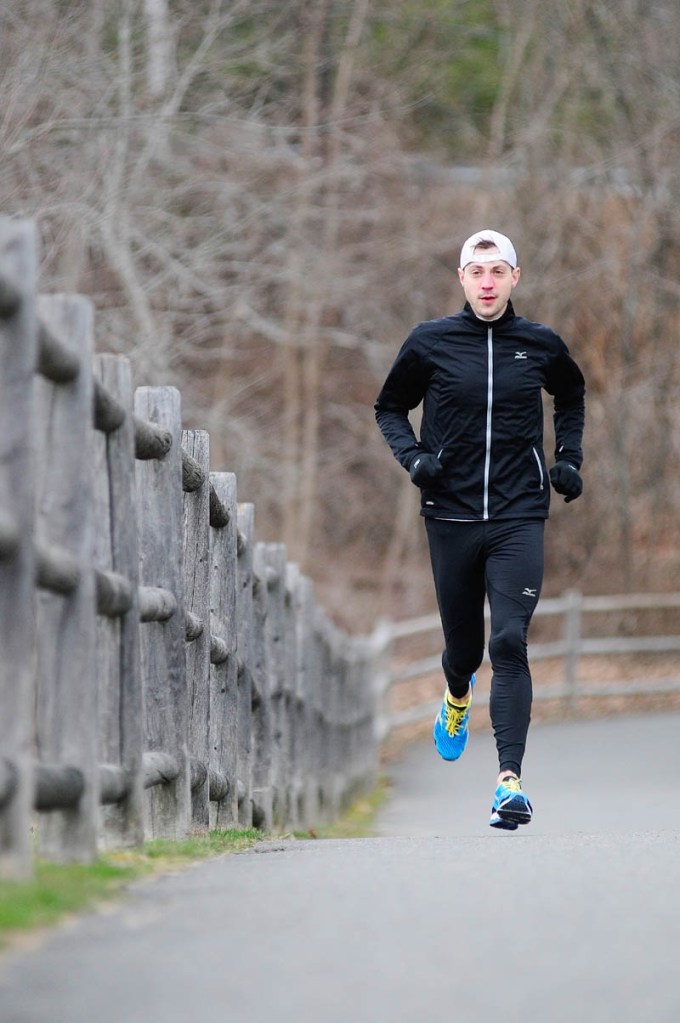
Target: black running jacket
{"points": [[481, 387]]}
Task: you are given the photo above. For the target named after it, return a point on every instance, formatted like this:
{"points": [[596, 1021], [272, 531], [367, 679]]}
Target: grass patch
{"points": [[215, 843], [56, 890]]}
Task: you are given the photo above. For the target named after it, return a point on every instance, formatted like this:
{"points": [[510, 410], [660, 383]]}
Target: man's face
{"points": [[488, 286]]}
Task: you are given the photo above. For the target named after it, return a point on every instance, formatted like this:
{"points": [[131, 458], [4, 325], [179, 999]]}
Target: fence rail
{"points": [[575, 609], [161, 670]]}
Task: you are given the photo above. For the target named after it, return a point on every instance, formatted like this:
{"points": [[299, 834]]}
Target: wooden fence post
{"points": [[66, 620], [244, 615], [224, 674], [119, 674], [366, 749], [309, 670], [381, 646], [341, 730], [159, 495], [326, 703], [262, 703], [274, 556], [290, 646], [572, 625], [299, 591], [18, 346], [197, 604]]}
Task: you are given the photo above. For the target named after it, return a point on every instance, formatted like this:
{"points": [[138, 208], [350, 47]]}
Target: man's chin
{"points": [[489, 313]]}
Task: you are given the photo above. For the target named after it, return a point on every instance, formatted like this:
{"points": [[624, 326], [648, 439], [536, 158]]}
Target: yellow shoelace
{"points": [[454, 717], [512, 784]]}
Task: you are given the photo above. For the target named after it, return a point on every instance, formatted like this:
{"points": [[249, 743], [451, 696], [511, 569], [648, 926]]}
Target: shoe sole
{"points": [[498, 822], [515, 811]]}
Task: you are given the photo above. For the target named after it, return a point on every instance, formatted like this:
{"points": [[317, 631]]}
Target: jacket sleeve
{"points": [[567, 385], [402, 391]]}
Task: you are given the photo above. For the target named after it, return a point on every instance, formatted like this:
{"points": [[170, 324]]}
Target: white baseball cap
{"points": [[506, 250]]}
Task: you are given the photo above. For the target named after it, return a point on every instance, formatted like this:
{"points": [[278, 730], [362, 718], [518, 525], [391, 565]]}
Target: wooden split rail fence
{"points": [[160, 671]]}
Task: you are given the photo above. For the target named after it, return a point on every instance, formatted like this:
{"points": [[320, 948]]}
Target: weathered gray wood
{"points": [[10, 295], [296, 702], [194, 626], [9, 534], [359, 740], [194, 472], [67, 701], [302, 591], [244, 615], [156, 604], [219, 513], [261, 703], [274, 572], [56, 568], [18, 352], [278, 708], [151, 440], [119, 673], [219, 649], [8, 781], [326, 714], [115, 592], [159, 769], [219, 786], [18, 342], [58, 787], [223, 673], [196, 453], [58, 360], [114, 784], [160, 526], [290, 732], [109, 414], [312, 669], [199, 776]]}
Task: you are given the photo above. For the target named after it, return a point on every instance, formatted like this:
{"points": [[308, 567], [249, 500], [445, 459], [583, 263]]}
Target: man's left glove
{"points": [[566, 480], [425, 468]]}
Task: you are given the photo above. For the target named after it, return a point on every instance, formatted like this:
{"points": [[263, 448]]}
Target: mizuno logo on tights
{"points": [[526, 592]]}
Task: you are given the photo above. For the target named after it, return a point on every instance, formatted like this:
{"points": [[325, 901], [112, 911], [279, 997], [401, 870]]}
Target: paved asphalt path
{"points": [[573, 918]]}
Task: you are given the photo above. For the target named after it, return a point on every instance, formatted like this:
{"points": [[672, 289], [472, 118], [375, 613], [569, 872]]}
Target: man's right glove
{"points": [[425, 468], [566, 480]]}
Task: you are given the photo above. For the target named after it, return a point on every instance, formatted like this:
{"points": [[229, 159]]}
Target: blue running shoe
{"points": [[498, 822], [510, 806], [451, 726]]}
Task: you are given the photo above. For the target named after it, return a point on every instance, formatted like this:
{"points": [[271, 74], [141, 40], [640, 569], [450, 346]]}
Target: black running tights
{"points": [[502, 561]]}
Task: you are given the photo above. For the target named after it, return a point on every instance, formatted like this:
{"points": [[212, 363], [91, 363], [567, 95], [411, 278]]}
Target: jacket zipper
{"points": [[489, 409], [540, 467]]}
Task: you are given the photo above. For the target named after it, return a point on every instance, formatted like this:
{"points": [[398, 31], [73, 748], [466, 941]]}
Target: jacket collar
{"points": [[483, 325]]}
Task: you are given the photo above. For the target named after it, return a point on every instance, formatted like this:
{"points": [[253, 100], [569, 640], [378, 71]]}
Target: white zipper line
{"points": [[540, 467], [489, 407]]}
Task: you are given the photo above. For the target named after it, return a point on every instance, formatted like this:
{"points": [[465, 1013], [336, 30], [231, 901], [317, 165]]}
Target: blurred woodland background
{"points": [[262, 197]]}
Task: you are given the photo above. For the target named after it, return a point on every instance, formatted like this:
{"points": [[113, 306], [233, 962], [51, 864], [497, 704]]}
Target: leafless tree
{"points": [[242, 188]]}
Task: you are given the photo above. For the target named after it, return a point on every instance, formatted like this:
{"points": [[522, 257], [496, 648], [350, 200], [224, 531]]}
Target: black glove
{"points": [[425, 468], [566, 480]]}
